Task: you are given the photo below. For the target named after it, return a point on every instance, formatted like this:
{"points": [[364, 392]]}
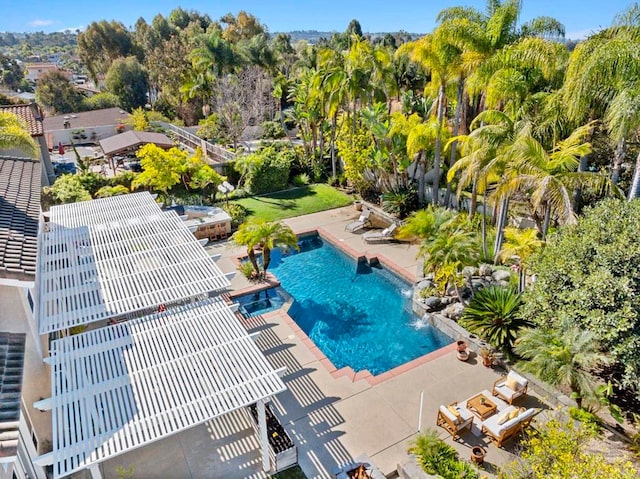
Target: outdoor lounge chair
{"points": [[452, 423], [360, 223], [499, 433], [510, 387], [386, 234]]}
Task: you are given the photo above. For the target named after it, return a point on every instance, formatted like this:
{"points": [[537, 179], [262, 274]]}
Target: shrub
{"points": [[237, 212], [590, 421], [437, 457], [267, 170], [493, 315], [246, 269], [92, 182], [400, 201], [123, 179], [107, 191], [301, 180], [272, 130]]}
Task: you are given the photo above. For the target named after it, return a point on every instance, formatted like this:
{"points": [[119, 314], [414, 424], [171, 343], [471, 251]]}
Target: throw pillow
{"points": [[512, 384], [503, 418], [456, 413], [513, 414]]}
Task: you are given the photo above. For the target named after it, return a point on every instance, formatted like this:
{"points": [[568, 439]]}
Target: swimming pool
{"points": [[261, 302], [357, 314]]}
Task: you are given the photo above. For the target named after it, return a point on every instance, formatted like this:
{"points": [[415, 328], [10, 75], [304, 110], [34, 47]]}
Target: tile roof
{"points": [[86, 119], [19, 214], [11, 366], [30, 114]]}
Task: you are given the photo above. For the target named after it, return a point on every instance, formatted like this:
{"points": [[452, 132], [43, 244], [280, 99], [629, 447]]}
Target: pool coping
{"points": [[271, 281]]}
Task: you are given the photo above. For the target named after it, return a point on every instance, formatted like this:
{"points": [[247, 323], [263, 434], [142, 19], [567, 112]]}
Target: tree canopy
{"points": [[588, 275]]}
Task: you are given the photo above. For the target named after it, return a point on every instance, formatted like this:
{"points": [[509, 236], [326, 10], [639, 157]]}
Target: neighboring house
{"points": [[85, 89], [25, 432], [83, 127], [35, 71], [31, 115]]}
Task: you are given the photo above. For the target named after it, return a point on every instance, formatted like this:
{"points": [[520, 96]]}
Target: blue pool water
{"points": [[261, 302], [359, 316]]}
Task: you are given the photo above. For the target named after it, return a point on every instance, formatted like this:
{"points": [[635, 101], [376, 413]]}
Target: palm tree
{"points": [[520, 244], [14, 134], [564, 356], [426, 223], [492, 314], [447, 253], [266, 235]]}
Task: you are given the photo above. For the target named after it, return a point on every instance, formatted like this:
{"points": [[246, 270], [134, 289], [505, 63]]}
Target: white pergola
{"points": [[102, 271], [104, 210], [120, 387]]}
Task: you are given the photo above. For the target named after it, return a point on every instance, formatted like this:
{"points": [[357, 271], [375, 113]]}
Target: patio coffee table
{"points": [[481, 406]]}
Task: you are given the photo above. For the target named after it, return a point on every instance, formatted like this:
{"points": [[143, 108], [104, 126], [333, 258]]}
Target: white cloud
{"points": [[40, 23]]}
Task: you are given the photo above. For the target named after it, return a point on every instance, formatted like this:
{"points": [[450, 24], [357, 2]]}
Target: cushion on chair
{"points": [[514, 413], [448, 414], [504, 417], [512, 384], [456, 414], [519, 379]]}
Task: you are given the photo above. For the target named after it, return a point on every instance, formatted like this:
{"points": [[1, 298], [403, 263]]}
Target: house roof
{"points": [[87, 119], [11, 366], [123, 386], [19, 215], [29, 114], [127, 266], [133, 139]]}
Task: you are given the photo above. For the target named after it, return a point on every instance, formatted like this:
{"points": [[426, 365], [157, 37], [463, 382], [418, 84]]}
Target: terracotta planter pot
{"points": [[462, 345], [358, 205], [477, 455], [462, 355]]}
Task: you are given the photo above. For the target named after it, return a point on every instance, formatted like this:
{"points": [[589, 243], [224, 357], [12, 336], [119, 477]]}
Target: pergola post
{"points": [[95, 471], [264, 439]]}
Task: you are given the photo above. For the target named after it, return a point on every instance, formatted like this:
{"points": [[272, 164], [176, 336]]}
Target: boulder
{"points": [[485, 270], [469, 271], [501, 275], [425, 284], [478, 283], [432, 303], [454, 311]]}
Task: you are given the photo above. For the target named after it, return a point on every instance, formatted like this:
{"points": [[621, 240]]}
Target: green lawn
{"points": [[295, 202], [291, 473]]}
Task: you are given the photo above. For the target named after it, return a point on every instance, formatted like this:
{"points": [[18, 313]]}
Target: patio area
{"points": [[331, 419]]}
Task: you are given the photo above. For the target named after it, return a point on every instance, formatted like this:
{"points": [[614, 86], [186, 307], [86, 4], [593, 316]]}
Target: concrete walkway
{"points": [[331, 419]]}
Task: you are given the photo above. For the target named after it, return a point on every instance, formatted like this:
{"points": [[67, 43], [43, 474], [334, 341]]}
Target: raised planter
{"points": [[282, 451]]}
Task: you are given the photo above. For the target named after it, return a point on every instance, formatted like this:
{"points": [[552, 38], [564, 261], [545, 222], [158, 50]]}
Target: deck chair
{"points": [[501, 427], [510, 387], [454, 419], [386, 234], [360, 223]]}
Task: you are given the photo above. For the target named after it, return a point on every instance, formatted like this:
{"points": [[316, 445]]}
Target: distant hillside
{"points": [[313, 36]]}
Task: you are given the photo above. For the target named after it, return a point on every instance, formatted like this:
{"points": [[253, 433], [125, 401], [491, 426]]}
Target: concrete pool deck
{"points": [[331, 419]]}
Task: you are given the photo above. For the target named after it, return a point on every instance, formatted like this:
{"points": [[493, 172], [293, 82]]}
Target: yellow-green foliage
{"points": [[356, 149], [556, 451]]}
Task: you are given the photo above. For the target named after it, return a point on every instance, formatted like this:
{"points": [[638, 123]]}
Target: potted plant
{"points": [[477, 455], [461, 344], [487, 357], [358, 205]]}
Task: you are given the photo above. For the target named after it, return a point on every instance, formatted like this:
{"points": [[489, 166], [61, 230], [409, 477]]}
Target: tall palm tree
{"points": [[492, 314], [266, 235], [611, 60], [564, 356], [440, 59], [14, 134]]}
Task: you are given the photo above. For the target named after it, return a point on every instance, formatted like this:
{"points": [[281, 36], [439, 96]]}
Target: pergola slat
{"points": [[149, 378], [90, 271]]}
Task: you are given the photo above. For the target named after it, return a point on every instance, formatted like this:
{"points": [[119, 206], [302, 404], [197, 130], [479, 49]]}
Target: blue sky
{"points": [[579, 17]]}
